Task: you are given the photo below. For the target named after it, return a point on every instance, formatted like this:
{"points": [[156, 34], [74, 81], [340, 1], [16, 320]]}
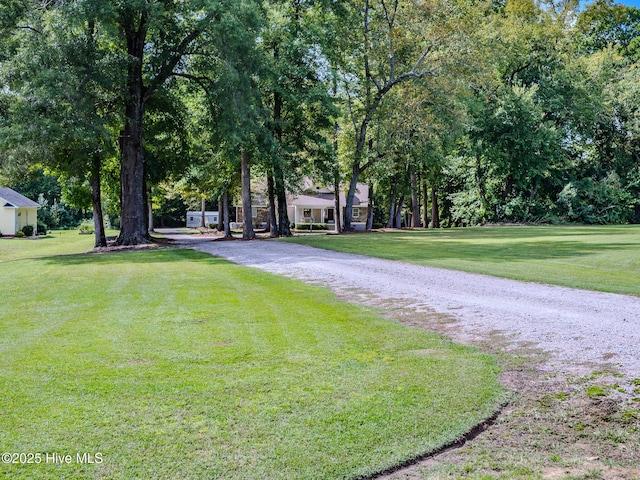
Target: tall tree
{"points": [[387, 43], [153, 39], [522, 117], [62, 111], [228, 70], [604, 23], [296, 94], [157, 38]]}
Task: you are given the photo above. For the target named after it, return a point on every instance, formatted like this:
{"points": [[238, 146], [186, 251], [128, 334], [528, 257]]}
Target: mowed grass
{"points": [[605, 258], [174, 364]]}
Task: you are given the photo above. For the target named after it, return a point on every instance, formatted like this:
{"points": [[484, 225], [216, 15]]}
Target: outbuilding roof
{"points": [[10, 198]]}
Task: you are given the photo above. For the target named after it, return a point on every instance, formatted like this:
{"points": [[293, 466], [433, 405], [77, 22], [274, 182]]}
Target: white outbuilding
{"points": [[194, 219], [16, 212]]}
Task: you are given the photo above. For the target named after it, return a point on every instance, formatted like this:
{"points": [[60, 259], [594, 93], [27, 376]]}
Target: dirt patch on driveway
{"points": [[555, 426]]}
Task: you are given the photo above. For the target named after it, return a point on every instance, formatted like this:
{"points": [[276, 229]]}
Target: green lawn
{"points": [[605, 258], [174, 364]]}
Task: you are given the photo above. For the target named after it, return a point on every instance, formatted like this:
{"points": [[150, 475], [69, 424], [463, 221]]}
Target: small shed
{"points": [[16, 212], [194, 219]]}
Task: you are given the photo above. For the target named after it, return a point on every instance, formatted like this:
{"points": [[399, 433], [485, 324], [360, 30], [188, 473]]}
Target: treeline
{"points": [[454, 112]]}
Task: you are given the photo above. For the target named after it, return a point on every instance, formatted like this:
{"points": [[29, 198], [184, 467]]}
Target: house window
{"points": [[306, 212], [254, 212], [191, 219], [355, 213]]}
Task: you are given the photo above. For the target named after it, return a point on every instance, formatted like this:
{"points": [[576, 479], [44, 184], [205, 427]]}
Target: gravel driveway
{"points": [[580, 330]]}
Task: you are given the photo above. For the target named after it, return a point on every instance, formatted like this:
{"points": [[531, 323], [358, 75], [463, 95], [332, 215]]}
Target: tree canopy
{"points": [[454, 112]]}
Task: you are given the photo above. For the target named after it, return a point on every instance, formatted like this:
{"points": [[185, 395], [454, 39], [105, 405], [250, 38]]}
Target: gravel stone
{"points": [[580, 330]]}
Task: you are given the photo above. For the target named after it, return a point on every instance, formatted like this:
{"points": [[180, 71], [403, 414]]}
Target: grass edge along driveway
{"points": [[176, 364], [603, 258]]}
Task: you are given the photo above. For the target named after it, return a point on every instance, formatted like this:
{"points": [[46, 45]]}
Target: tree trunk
{"points": [[336, 192], [148, 207], [203, 212], [408, 214], [392, 206], [133, 221], [220, 226], [480, 182], [353, 185], [398, 213], [149, 214], [337, 214], [247, 219], [96, 201], [435, 213], [147, 200], [425, 204], [225, 214], [284, 227], [370, 209], [415, 201], [273, 221]]}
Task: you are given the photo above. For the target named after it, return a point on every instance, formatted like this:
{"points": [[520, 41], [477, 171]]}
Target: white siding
{"points": [[7, 221], [194, 219]]}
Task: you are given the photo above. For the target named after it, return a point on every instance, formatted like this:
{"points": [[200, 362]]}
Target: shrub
{"points": [[27, 230], [86, 227], [19, 234], [64, 216], [596, 201], [42, 228], [114, 221], [311, 226]]}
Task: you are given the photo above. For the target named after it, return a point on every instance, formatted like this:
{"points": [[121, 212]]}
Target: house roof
{"points": [[13, 199], [313, 196], [326, 198], [311, 201]]}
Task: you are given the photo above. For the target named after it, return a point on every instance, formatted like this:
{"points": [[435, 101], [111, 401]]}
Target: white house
{"points": [[16, 211], [194, 219], [314, 204], [317, 205]]}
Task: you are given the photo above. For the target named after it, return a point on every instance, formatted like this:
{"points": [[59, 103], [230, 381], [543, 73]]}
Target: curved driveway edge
{"points": [[579, 329]]}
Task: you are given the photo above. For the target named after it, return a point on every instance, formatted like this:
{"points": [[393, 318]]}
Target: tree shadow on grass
{"points": [[516, 232], [164, 255], [520, 251], [420, 251]]}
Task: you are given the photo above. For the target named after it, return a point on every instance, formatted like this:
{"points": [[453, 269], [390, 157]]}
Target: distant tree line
{"points": [[453, 112]]}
